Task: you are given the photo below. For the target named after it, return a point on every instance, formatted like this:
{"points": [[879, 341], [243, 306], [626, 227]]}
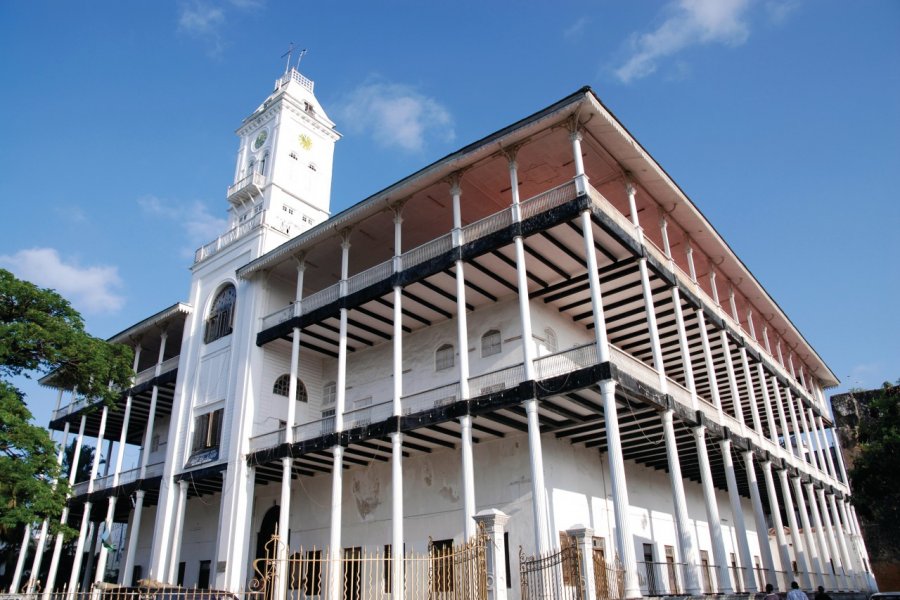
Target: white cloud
{"points": [[90, 289], [199, 225], [689, 23], [576, 29], [396, 115], [205, 19]]}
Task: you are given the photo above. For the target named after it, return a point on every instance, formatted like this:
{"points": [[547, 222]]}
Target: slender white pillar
{"points": [[816, 442], [762, 529], [783, 552], [751, 392], [870, 579], [808, 537], [799, 549], [826, 450], [684, 347], [73, 471], [397, 567], [859, 567], [732, 379], [712, 513], [538, 493], [831, 538], [710, 365], [737, 513], [337, 490], [133, 533], [624, 541], [79, 547], [838, 529], [20, 562], [811, 457], [468, 476], [824, 552], [779, 405], [687, 544], [178, 532], [767, 403], [795, 427]]}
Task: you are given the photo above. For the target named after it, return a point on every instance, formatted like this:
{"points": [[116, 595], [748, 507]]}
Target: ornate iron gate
{"points": [[555, 575]]}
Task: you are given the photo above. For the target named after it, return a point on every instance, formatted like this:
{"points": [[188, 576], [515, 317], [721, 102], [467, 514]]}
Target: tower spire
{"points": [[289, 53]]}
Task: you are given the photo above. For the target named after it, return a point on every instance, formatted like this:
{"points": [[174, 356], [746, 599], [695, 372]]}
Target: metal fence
{"points": [[555, 575]]}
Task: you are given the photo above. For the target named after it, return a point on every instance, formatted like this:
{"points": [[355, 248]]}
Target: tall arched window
{"points": [[282, 387], [552, 341], [490, 343], [221, 315], [443, 358], [262, 163]]}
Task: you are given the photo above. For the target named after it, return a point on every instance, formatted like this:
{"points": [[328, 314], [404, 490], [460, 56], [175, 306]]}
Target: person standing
{"points": [[796, 593]]}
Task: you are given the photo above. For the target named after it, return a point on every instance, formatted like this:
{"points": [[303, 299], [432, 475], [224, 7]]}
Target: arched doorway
{"points": [[267, 529]]}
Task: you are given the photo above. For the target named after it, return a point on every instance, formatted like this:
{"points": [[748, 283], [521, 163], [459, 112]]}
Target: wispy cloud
{"points": [[75, 215], [90, 289], [396, 115], [206, 19], [197, 223], [576, 30], [687, 23]]}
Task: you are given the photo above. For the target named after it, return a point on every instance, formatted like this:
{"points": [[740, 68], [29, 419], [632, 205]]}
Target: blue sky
{"points": [[779, 118]]}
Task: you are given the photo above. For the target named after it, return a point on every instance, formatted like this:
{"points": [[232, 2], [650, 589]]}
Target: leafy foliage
{"points": [[876, 494], [40, 332]]}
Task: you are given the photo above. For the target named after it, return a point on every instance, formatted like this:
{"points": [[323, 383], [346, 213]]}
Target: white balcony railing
{"points": [[229, 237], [254, 181]]}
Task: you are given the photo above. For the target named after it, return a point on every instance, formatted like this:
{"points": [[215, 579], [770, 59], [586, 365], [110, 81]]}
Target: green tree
{"points": [[40, 333], [876, 494]]}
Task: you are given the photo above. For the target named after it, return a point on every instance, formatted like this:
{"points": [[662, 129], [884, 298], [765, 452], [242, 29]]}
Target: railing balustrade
{"points": [[566, 361], [426, 251], [370, 276], [229, 237], [487, 225], [313, 429], [366, 415], [495, 381], [428, 399], [548, 200], [267, 440]]}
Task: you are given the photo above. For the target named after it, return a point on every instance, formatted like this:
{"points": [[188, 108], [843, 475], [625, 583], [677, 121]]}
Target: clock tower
{"points": [[284, 163]]}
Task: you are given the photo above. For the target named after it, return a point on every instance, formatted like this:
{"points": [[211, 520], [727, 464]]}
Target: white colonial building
{"points": [[539, 326]]}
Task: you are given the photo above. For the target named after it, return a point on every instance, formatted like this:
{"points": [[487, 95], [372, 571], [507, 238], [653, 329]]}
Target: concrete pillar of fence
{"points": [[584, 541], [493, 523]]}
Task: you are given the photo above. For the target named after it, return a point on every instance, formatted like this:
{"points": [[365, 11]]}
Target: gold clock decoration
{"points": [[305, 141]]}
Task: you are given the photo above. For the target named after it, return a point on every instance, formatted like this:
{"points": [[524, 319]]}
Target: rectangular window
{"points": [[180, 579], [705, 572], [736, 574], [506, 558], [670, 569], [203, 576], [442, 565], [650, 570], [207, 430]]}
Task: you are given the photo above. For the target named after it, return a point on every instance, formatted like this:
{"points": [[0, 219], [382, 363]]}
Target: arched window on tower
{"points": [[263, 163], [283, 385], [251, 166], [490, 343], [443, 357], [221, 315]]}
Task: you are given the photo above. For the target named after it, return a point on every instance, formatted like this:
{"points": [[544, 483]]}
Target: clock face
{"points": [[305, 141], [260, 139]]}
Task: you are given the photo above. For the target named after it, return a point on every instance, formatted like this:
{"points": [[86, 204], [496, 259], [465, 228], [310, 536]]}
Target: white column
{"points": [[751, 392], [831, 537], [178, 532], [624, 541], [799, 549], [542, 537], [826, 450], [494, 521], [79, 547], [583, 538], [808, 538], [783, 553], [795, 427], [838, 529], [685, 348], [687, 544], [468, 475], [737, 513], [824, 554], [397, 576], [732, 380], [710, 366], [767, 403], [20, 562], [762, 529], [816, 442], [867, 565], [779, 405], [57, 548], [712, 513], [337, 483], [860, 568], [810, 447], [133, 533]]}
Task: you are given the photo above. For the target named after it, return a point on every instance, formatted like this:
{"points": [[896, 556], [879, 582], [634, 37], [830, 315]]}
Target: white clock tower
{"points": [[285, 159]]}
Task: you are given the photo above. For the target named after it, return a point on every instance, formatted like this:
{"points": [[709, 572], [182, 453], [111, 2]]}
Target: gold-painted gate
{"points": [[444, 572]]}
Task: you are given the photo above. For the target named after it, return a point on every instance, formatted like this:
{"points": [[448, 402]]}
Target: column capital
{"points": [[629, 188], [345, 238], [491, 518], [576, 135], [580, 532]]}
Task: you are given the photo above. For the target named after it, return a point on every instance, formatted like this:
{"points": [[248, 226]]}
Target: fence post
{"points": [[493, 522], [584, 541]]}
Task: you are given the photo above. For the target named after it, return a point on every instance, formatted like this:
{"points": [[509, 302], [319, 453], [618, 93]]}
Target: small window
{"points": [[443, 358], [207, 431], [262, 163], [287, 209], [551, 340], [490, 343], [293, 155], [221, 315], [313, 167], [282, 387], [329, 393]]}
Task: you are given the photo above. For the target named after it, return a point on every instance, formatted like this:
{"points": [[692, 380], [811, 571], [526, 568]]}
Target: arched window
{"points": [[251, 166], [221, 315], [443, 358], [262, 163], [282, 387], [329, 393], [552, 342], [490, 343]]}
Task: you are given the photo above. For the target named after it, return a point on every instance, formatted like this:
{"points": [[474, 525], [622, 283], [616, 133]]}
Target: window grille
{"points": [[329, 393], [444, 358], [282, 387], [490, 343], [221, 315]]}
